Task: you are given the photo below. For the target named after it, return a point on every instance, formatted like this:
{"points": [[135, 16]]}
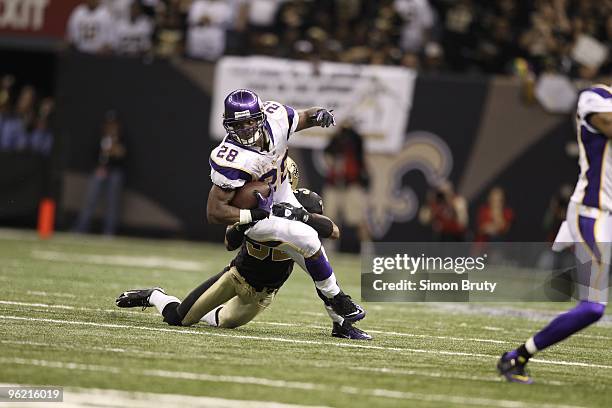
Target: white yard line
{"points": [[239, 336], [298, 385], [284, 340], [272, 323], [121, 260], [81, 397], [67, 307]]}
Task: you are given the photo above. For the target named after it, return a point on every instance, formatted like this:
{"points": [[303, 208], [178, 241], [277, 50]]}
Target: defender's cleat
{"points": [[348, 331], [514, 369], [346, 308], [136, 298]]}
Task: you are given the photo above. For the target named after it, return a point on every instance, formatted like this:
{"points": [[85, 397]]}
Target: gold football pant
{"points": [[242, 301]]}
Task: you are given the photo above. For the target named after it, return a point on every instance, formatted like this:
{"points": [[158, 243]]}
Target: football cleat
{"points": [[514, 369], [136, 297], [348, 331], [346, 308]]}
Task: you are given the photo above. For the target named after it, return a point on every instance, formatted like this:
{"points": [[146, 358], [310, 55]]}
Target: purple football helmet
{"points": [[244, 117]]}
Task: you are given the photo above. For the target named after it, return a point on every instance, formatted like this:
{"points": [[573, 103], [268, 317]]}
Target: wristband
{"points": [[245, 217]]}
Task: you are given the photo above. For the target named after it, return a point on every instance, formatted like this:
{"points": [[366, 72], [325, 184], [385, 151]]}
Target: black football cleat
{"points": [[346, 308], [513, 369], [136, 298], [348, 331]]}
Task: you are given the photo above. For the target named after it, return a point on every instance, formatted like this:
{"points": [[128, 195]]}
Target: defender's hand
{"points": [[288, 211], [324, 118]]}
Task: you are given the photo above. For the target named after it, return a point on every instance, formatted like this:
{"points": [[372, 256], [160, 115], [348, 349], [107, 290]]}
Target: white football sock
{"points": [[530, 346], [210, 318], [328, 286], [161, 300]]}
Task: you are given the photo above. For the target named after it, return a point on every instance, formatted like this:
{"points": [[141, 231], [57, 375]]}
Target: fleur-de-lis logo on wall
{"points": [[389, 201]]}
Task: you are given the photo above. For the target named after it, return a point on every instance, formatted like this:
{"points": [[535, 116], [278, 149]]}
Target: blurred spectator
{"points": [[556, 211], [346, 180], [494, 218], [446, 212], [108, 176], [119, 9], [417, 22], [24, 127], [90, 28], [208, 21], [41, 139], [170, 19], [262, 15], [18, 122], [132, 36]]}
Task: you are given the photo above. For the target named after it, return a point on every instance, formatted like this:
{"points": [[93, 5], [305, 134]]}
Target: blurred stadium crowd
{"points": [[25, 119], [571, 37]]}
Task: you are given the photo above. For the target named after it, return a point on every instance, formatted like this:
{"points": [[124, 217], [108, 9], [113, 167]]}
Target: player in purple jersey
{"points": [[588, 228], [256, 148]]}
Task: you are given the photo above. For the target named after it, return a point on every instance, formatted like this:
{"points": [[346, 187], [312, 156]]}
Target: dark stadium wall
{"points": [[165, 119], [468, 130]]}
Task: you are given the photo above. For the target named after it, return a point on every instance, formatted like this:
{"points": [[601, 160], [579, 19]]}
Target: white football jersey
{"points": [[90, 30], [594, 187], [232, 164], [133, 37]]}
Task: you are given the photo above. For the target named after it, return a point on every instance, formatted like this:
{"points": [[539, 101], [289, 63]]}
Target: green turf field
{"points": [[60, 326]]}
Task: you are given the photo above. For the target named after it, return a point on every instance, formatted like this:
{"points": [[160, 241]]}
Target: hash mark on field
{"points": [[308, 386], [57, 294], [284, 340], [121, 260]]}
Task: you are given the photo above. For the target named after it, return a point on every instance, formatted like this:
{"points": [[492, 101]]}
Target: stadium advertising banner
{"points": [[35, 18], [376, 99]]}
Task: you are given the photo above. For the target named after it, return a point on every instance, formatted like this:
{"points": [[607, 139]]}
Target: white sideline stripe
{"points": [[80, 397], [120, 260], [284, 340], [375, 392]]}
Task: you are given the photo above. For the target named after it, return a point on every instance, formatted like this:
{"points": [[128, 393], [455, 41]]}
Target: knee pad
{"points": [[591, 311]]}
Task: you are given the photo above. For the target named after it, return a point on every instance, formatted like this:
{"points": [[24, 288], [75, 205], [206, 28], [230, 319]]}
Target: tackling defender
{"points": [[588, 226], [245, 288], [255, 148]]}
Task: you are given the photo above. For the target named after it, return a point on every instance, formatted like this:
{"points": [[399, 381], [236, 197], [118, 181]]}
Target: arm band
{"points": [[322, 225]]}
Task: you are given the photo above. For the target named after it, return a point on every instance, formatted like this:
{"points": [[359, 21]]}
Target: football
{"points": [[245, 196]]}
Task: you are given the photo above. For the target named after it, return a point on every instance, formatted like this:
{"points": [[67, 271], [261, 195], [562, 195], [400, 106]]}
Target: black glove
{"points": [[288, 211], [324, 118]]}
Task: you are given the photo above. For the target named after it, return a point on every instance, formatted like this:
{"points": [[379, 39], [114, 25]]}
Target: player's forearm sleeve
{"points": [[322, 225]]}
